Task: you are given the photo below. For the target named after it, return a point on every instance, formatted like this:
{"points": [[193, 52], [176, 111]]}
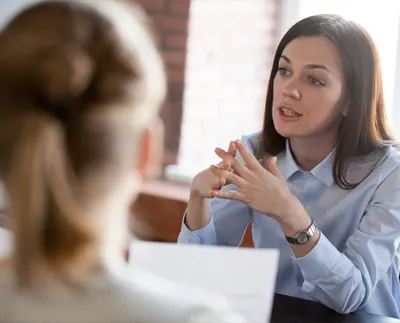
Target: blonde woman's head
{"points": [[80, 88]]}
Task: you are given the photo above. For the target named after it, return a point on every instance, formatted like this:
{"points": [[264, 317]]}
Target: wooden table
{"points": [[158, 211]]}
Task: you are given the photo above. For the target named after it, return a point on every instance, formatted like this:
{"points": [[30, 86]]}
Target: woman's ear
{"points": [[150, 153]]}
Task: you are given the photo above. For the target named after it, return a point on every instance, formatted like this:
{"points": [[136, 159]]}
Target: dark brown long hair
{"points": [[365, 128]]}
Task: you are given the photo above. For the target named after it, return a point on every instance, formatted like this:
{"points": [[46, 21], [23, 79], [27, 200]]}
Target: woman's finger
{"points": [[273, 168], [250, 160], [227, 177], [237, 167], [242, 170], [234, 179], [232, 149], [226, 165], [219, 172], [225, 156], [217, 182], [221, 181], [229, 195]]}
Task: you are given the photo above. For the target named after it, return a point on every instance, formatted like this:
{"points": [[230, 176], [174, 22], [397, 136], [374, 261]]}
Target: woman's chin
{"points": [[290, 130], [285, 132]]}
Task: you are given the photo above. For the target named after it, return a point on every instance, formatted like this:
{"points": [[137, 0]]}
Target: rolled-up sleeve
{"points": [[205, 235], [345, 281], [227, 226]]}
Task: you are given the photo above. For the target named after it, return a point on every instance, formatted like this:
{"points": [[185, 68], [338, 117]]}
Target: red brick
{"points": [[167, 23], [174, 111], [172, 116], [175, 58], [180, 7], [175, 94], [170, 19], [175, 42], [175, 75], [153, 5]]}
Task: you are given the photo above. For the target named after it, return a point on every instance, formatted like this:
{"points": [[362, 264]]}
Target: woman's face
{"points": [[307, 89]]}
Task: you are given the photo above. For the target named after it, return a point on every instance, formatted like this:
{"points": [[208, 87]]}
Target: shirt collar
{"points": [[291, 166], [323, 171]]}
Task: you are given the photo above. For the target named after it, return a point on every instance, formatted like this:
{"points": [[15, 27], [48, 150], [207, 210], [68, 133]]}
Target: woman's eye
{"points": [[314, 81], [283, 71]]}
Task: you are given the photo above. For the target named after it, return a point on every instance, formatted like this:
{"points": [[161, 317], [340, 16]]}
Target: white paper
{"points": [[244, 276]]}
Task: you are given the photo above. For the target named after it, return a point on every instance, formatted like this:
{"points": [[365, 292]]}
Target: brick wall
{"points": [[217, 76], [230, 49], [170, 21]]}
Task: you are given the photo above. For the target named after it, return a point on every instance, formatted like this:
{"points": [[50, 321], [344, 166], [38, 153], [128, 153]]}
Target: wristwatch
{"points": [[303, 237]]}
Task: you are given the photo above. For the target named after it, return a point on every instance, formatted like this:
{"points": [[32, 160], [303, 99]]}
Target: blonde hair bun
{"points": [[66, 74]]}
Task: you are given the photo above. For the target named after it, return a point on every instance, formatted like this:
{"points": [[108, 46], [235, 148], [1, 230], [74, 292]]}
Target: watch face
{"points": [[303, 237]]}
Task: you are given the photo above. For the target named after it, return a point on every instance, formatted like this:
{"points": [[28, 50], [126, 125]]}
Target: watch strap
{"points": [[310, 231]]}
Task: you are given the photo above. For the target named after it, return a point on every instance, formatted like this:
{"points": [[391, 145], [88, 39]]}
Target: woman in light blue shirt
{"points": [[327, 190]]}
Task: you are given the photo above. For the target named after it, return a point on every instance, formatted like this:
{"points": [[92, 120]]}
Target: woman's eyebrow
{"points": [[310, 66]]}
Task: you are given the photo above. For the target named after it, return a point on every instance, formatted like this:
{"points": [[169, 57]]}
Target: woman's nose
{"points": [[291, 90]]}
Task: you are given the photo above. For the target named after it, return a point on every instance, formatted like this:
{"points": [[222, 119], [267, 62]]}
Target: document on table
{"points": [[244, 277]]}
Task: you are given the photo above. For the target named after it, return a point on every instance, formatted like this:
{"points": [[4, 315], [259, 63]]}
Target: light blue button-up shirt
{"points": [[355, 264]]}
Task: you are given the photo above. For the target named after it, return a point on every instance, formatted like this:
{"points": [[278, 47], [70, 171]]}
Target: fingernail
{"points": [[239, 142]]}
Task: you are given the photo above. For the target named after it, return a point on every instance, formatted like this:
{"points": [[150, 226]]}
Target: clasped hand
{"points": [[262, 189]]}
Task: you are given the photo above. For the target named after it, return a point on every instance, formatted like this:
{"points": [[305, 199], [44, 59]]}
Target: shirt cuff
{"points": [[320, 261], [205, 235]]}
